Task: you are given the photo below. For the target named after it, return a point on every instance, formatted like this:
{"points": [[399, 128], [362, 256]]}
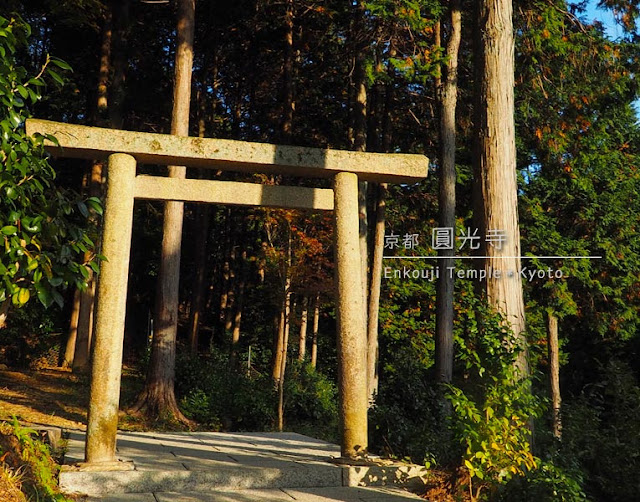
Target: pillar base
{"points": [[109, 466], [365, 460]]}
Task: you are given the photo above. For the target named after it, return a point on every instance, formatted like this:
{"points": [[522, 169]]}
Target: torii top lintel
{"points": [[149, 148]]}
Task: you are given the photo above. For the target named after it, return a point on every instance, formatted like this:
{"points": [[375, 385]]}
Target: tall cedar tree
{"points": [[496, 189], [158, 397]]}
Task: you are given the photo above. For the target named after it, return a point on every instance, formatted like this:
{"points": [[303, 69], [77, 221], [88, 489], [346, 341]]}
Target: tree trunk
{"points": [[202, 233], [374, 298], [103, 74], [82, 352], [447, 199], [360, 140], [203, 213], [288, 101], [158, 397], [226, 266], [120, 61], [378, 252], [82, 357], [314, 334], [231, 286], [78, 348], [495, 165], [237, 318], [70, 346], [304, 315], [554, 373], [280, 347], [283, 363]]}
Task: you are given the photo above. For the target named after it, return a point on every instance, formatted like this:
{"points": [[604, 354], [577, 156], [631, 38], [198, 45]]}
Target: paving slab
{"points": [[330, 494], [198, 462]]}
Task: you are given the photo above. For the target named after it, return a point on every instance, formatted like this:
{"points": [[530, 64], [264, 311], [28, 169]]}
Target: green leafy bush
{"points": [[213, 395], [311, 402], [494, 406], [547, 483], [43, 228], [408, 417]]}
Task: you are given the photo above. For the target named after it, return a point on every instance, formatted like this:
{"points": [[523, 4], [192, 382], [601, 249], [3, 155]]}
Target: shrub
{"points": [[212, 394], [311, 402], [493, 407]]}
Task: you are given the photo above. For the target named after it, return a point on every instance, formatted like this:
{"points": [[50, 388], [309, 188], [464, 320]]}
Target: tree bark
{"points": [[237, 318], [78, 348], [447, 198], [120, 45], [360, 140], [103, 73], [82, 353], [304, 316], [314, 333], [202, 233], [554, 373], [231, 286], [288, 101], [282, 333], [203, 213], [495, 165], [283, 363], [70, 346], [374, 294], [158, 397]]}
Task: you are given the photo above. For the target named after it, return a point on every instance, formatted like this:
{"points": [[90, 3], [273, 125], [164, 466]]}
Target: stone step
{"points": [[203, 461], [236, 477], [329, 494]]}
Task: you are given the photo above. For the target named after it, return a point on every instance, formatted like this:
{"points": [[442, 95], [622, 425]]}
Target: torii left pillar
{"points": [[102, 424]]}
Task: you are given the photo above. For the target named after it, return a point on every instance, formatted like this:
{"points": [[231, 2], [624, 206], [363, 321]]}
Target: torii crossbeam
{"points": [[125, 149]]}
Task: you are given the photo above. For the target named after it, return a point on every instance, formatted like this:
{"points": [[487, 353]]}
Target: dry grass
{"points": [[10, 484]]}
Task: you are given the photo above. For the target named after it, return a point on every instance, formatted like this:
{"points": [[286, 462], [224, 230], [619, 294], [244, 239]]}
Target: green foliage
{"points": [[547, 483], [311, 402], [493, 408], [42, 228], [31, 333], [221, 398], [601, 433], [408, 420], [29, 453], [212, 394]]}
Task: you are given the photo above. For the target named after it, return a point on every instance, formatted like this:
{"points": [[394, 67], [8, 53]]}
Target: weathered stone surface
{"points": [[351, 494], [93, 142], [234, 193], [265, 464], [352, 348], [273, 495], [106, 367], [413, 476], [125, 497]]}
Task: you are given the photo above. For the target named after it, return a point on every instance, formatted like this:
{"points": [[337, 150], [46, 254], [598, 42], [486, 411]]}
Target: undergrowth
{"points": [[28, 470]]}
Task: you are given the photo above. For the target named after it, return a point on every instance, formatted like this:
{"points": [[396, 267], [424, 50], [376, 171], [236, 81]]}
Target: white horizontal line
{"points": [[476, 257]]}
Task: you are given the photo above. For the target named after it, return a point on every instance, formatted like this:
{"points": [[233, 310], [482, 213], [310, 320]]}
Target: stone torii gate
{"points": [[125, 149]]}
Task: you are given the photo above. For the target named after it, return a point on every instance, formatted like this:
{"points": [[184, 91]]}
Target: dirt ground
{"points": [[56, 397]]}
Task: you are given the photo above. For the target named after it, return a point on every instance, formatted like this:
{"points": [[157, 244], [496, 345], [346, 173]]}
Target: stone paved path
{"points": [[226, 467]]}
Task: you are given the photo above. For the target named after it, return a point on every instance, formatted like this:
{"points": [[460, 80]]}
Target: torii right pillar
{"points": [[352, 333]]}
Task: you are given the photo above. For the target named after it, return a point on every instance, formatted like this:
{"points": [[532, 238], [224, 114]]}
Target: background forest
{"points": [[256, 293]]}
